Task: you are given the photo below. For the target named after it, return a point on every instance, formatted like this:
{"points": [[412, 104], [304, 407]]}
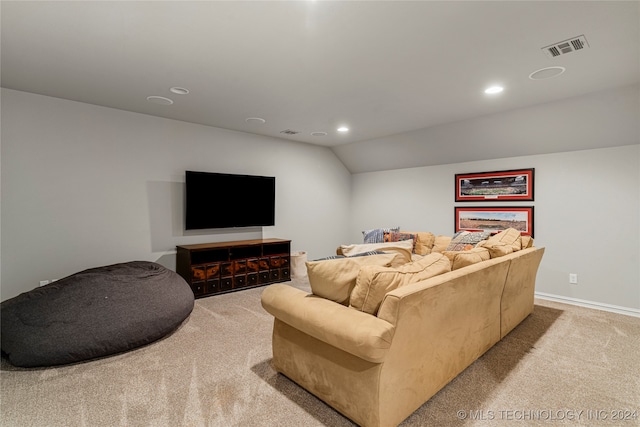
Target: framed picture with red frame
{"points": [[494, 219], [498, 186]]}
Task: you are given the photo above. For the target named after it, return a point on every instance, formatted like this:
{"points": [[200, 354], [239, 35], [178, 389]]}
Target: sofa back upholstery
{"points": [[517, 298], [447, 322], [443, 324]]}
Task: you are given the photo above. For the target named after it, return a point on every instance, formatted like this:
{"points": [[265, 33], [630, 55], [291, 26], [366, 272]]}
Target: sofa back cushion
{"points": [[373, 282], [334, 279], [527, 242], [424, 241], [441, 243], [503, 243], [461, 259]]}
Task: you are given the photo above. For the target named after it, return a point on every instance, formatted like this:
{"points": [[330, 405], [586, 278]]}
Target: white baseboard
{"points": [[590, 304]]}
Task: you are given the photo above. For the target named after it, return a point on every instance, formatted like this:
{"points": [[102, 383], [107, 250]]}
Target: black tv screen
{"points": [[218, 200]]}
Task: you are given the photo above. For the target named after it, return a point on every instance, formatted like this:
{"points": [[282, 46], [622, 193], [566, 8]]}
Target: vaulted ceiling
{"points": [[397, 74]]}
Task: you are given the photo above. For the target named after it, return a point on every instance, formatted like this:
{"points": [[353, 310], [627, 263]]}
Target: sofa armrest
{"points": [[355, 332]]}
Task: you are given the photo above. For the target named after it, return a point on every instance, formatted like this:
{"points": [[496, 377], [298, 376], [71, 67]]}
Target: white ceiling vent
{"points": [[566, 46], [289, 132]]}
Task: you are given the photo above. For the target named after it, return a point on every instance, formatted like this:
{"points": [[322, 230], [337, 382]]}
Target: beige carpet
{"points": [[563, 365]]}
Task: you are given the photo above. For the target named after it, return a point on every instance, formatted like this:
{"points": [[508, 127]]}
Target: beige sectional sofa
{"points": [[376, 359]]}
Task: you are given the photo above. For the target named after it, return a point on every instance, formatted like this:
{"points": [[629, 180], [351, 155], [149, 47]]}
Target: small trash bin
{"points": [[298, 266]]}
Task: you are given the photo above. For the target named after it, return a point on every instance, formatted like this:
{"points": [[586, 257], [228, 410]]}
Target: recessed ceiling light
{"points": [[318, 134], [343, 129], [493, 90], [161, 100], [546, 73], [255, 120], [179, 90]]}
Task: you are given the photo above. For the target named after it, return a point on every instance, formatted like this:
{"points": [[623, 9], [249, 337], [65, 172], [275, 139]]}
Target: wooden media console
{"points": [[213, 268]]}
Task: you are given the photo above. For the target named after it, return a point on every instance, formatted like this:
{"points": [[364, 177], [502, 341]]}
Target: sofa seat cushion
{"points": [[373, 282], [334, 279], [461, 259], [94, 313]]}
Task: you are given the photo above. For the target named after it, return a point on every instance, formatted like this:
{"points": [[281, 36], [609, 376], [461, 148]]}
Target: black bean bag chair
{"points": [[94, 313]]}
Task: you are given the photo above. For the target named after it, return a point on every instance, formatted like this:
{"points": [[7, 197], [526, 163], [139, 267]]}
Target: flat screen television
{"points": [[219, 200]]}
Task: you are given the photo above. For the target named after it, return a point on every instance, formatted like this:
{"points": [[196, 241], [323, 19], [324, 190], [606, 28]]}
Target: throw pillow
{"points": [[463, 239], [397, 236], [374, 282], [376, 235], [334, 279]]}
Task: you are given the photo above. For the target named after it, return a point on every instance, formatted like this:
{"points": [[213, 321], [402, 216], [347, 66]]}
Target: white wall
{"points": [[84, 186], [587, 215]]}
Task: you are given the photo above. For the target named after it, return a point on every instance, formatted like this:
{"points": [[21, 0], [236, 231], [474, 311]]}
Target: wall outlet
{"points": [[573, 278]]}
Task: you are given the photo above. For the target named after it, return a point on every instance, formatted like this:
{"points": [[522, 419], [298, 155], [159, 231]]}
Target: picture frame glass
{"points": [[494, 219], [508, 185]]}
